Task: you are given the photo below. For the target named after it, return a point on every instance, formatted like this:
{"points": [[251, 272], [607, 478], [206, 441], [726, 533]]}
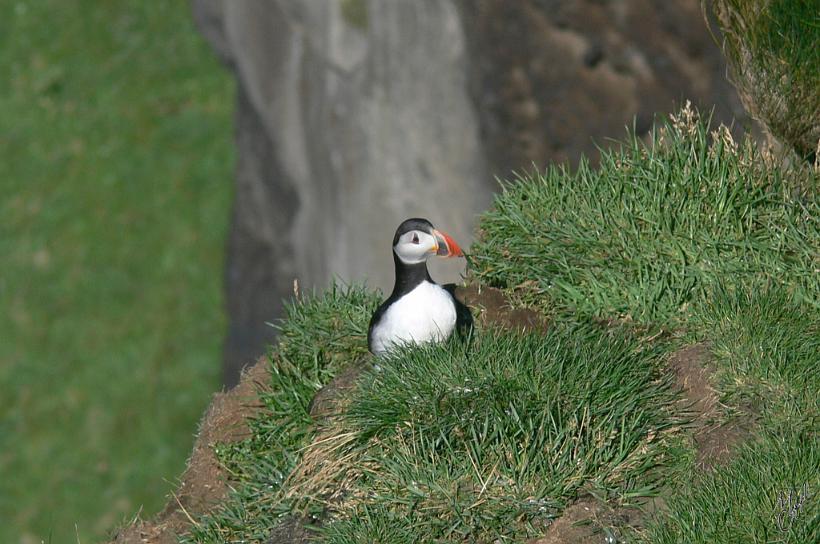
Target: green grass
{"points": [[115, 169], [772, 50], [767, 350], [650, 232], [492, 437], [745, 501], [319, 335], [690, 230], [375, 524], [480, 440], [768, 347]]}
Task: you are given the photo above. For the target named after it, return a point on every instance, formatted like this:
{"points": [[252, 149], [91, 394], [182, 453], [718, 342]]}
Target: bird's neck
{"points": [[408, 276]]}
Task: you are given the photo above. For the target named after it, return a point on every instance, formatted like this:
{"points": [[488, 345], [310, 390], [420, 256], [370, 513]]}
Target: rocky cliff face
{"points": [[551, 79], [355, 114], [350, 118]]}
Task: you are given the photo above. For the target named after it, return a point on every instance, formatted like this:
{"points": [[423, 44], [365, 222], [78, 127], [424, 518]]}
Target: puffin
{"points": [[418, 310]]}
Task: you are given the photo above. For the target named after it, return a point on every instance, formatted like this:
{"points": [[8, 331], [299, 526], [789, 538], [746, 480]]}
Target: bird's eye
{"points": [[415, 239]]}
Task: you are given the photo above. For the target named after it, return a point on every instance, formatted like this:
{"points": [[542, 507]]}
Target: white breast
{"points": [[425, 314]]}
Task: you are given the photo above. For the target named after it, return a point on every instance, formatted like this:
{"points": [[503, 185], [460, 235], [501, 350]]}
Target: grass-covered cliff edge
{"points": [[647, 345]]}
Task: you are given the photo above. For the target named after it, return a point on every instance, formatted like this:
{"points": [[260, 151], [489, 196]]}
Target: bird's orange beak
{"points": [[447, 247]]}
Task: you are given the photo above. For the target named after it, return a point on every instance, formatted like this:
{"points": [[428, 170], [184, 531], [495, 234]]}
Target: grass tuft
{"points": [[374, 524], [772, 50], [753, 499], [768, 347], [493, 440], [647, 235]]}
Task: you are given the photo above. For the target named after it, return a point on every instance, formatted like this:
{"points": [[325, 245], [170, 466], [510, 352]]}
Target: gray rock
{"points": [[346, 125], [353, 115], [553, 79]]}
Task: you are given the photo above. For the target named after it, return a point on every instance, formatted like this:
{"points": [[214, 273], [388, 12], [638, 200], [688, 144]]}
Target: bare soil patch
{"points": [[583, 522], [328, 400], [714, 439], [490, 307]]}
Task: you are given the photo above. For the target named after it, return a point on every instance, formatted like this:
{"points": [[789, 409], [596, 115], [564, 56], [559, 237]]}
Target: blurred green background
{"points": [[116, 163]]}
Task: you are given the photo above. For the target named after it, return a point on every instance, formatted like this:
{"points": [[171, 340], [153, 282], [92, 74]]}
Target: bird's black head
{"points": [[409, 225]]}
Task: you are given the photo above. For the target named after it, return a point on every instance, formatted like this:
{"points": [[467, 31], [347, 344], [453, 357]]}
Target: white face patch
{"points": [[415, 246]]}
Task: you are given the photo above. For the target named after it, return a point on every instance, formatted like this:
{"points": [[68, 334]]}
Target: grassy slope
{"points": [[771, 48], [767, 348], [320, 335], [711, 236], [445, 431], [693, 230], [493, 440], [648, 234], [115, 165]]}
